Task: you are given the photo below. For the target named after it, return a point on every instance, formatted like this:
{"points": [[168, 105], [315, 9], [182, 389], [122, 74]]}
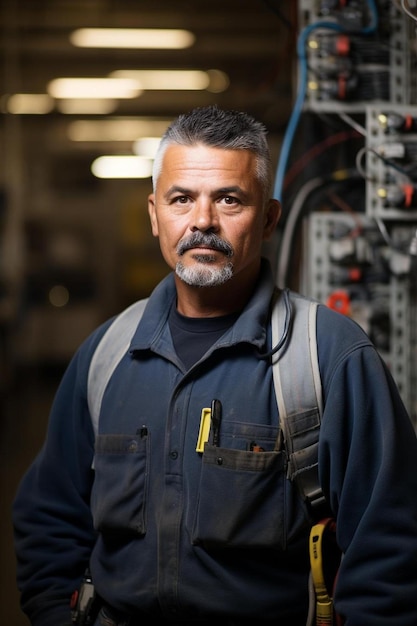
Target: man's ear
{"points": [[272, 216], [152, 214]]}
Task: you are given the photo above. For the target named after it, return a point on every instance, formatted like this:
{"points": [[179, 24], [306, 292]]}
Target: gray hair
{"points": [[230, 130]]}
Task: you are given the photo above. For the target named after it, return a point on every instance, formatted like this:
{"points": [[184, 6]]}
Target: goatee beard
{"points": [[204, 275]]}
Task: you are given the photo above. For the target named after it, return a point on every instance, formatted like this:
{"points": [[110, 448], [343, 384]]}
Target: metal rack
{"points": [[378, 238]]}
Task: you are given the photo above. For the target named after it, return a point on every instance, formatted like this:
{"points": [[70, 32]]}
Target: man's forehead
{"points": [[206, 158]]}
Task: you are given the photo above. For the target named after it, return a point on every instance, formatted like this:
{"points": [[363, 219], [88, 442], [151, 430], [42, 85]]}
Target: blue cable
{"points": [[301, 92], [374, 19]]}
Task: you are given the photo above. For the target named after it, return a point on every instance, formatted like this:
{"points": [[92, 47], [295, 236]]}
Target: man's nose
{"points": [[204, 216]]}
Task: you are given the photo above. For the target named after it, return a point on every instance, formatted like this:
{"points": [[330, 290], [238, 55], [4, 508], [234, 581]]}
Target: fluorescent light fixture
{"points": [[146, 38], [86, 106], [212, 80], [146, 146], [219, 81], [29, 104], [167, 79], [116, 129], [129, 166], [94, 88]]}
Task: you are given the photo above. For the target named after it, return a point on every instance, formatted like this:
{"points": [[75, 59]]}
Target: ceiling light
{"points": [[94, 88], [29, 104], [219, 81], [116, 129], [162, 38], [167, 79], [86, 106], [212, 80], [129, 166]]}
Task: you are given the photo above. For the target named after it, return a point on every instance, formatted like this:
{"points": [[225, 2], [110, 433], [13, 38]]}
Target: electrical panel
{"points": [[356, 54], [356, 213], [354, 270], [391, 162], [364, 263]]}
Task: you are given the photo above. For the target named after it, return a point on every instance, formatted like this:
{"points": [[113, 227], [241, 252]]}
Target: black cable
{"points": [[287, 325]]}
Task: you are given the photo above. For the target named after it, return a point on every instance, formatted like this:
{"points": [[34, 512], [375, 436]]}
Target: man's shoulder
{"points": [[334, 322]]}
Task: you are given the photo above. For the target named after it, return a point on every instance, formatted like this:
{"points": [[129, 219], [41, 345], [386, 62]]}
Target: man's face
{"points": [[208, 212]]}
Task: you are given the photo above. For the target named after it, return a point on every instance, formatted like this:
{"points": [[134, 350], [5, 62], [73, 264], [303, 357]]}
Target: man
{"points": [[167, 537]]}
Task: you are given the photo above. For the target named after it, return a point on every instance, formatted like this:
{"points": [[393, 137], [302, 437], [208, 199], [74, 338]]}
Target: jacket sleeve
{"points": [[53, 528], [368, 468]]}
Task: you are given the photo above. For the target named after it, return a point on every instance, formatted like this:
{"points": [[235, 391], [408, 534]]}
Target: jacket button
{"points": [[173, 454]]}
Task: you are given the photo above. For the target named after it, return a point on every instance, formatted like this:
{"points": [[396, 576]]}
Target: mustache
{"points": [[207, 240]]}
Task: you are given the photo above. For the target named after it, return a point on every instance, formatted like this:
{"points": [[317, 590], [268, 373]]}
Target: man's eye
{"points": [[230, 200], [181, 199]]}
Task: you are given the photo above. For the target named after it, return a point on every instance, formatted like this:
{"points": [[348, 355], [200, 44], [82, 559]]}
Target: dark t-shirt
{"points": [[193, 336]]}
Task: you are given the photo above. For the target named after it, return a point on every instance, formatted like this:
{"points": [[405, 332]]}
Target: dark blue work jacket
{"points": [[170, 535]]}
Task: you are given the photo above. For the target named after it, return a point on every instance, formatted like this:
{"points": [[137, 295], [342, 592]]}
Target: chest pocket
{"points": [[118, 499], [246, 501], [263, 499]]}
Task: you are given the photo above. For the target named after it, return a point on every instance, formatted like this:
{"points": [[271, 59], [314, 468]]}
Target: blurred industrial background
{"points": [[335, 83]]}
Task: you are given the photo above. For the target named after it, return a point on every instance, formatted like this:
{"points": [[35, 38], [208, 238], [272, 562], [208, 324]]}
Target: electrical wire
{"points": [[361, 153], [362, 171], [293, 218], [290, 227], [407, 11], [287, 326], [368, 30], [302, 90], [289, 135], [383, 230], [349, 120], [315, 151]]}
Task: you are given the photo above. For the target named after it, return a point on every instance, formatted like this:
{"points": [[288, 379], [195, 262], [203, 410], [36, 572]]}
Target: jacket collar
{"points": [[251, 326]]}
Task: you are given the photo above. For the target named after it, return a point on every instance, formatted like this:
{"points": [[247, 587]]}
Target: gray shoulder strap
{"points": [[298, 391], [111, 348]]}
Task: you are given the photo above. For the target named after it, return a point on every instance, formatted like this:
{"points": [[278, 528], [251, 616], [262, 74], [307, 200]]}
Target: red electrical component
{"points": [[339, 300]]}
